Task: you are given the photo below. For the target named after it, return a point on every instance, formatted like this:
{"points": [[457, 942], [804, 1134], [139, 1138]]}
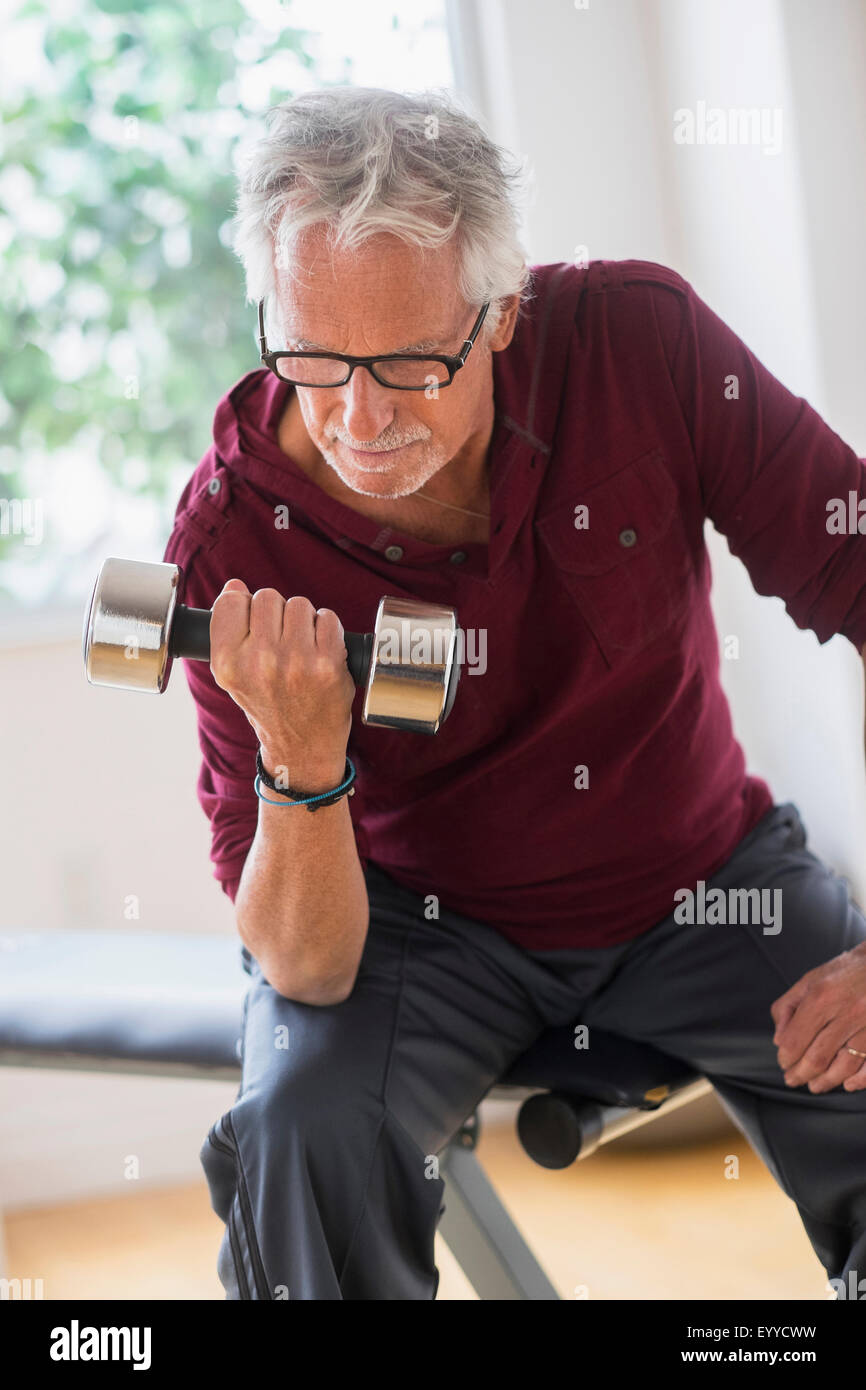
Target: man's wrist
{"points": [[303, 775]]}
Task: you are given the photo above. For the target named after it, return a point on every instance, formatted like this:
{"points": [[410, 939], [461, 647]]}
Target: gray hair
{"points": [[362, 161]]}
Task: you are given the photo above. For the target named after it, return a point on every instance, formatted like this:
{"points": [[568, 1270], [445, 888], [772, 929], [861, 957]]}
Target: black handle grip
{"points": [[190, 637]]}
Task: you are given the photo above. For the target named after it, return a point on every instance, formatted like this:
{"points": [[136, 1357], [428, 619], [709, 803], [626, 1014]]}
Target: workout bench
{"points": [[169, 1004]]}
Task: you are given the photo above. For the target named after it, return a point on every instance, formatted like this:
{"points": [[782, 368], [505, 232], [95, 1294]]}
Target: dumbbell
{"points": [[134, 626]]}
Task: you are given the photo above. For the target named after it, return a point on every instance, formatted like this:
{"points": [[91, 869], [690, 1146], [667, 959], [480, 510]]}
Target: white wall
{"points": [[100, 799]]}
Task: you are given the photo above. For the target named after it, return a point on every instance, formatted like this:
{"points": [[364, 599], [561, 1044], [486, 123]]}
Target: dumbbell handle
{"points": [[190, 637]]}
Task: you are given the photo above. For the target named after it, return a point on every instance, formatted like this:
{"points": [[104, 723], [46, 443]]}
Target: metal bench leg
{"points": [[479, 1231]]}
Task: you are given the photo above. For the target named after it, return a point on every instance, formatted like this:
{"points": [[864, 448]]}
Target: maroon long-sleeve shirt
{"points": [[624, 394]]}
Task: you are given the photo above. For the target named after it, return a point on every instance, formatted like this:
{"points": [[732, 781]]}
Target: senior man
{"points": [[538, 447]]}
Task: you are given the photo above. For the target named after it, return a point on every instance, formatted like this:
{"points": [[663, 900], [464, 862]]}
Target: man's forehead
{"points": [[417, 327], [386, 293]]}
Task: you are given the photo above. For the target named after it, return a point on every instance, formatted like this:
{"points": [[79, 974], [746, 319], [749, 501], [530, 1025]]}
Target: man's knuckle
{"points": [[263, 662], [325, 666], [223, 667]]}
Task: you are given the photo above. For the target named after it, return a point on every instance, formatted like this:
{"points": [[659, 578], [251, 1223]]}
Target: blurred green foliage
{"points": [[124, 317]]}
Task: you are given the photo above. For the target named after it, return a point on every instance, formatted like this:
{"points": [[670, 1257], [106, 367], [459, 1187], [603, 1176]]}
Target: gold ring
{"points": [[855, 1053]]}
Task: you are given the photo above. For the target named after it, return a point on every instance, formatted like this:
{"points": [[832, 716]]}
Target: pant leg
{"points": [[703, 993], [325, 1169]]}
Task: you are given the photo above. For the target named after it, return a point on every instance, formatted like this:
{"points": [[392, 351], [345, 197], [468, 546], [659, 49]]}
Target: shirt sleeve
{"points": [[769, 468]]}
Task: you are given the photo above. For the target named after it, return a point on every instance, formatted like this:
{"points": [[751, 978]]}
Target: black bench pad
{"points": [[171, 1003]]}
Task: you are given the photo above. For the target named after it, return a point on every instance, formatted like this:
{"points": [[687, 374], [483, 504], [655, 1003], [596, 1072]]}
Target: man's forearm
{"points": [[301, 905]]}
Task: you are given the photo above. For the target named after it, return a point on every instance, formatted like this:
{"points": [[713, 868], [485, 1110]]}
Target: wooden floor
{"points": [[625, 1224]]}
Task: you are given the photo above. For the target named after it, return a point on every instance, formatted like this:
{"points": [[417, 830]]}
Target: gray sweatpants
{"points": [[321, 1169]]}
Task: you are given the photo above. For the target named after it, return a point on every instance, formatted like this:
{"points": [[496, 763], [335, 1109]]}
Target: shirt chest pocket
{"points": [[624, 559]]}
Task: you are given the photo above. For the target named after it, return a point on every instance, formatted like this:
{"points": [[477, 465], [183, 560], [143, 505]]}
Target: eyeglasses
{"points": [[401, 371]]}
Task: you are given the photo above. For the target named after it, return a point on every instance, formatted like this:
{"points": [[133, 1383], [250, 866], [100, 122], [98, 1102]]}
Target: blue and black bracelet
{"points": [[299, 798]]}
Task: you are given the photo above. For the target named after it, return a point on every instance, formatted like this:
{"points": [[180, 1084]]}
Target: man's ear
{"points": [[507, 323]]}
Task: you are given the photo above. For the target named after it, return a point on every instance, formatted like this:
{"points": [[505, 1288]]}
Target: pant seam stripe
{"points": [[259, 1276]]}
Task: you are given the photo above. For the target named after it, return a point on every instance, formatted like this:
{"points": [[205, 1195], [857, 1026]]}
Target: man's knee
{"points": [[305, 1070]]}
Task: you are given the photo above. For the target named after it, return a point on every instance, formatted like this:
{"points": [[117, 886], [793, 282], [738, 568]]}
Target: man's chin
{"points": [[379, 482], [375, 485]]}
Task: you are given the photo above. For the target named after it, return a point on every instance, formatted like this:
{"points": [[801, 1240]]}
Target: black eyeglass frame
{"points": [[452, 362]]}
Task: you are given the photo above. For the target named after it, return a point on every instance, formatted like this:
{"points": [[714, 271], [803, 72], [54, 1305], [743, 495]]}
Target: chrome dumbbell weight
{"points": [[135, 625]]}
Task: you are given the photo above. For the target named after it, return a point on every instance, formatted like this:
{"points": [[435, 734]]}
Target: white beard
{"points": [[401, 480]]}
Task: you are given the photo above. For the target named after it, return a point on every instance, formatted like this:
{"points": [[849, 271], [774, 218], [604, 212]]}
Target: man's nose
{"points": [[368, 408]]}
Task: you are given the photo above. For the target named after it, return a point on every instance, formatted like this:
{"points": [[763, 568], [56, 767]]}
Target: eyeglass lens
{"points": [[330, 371]]}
